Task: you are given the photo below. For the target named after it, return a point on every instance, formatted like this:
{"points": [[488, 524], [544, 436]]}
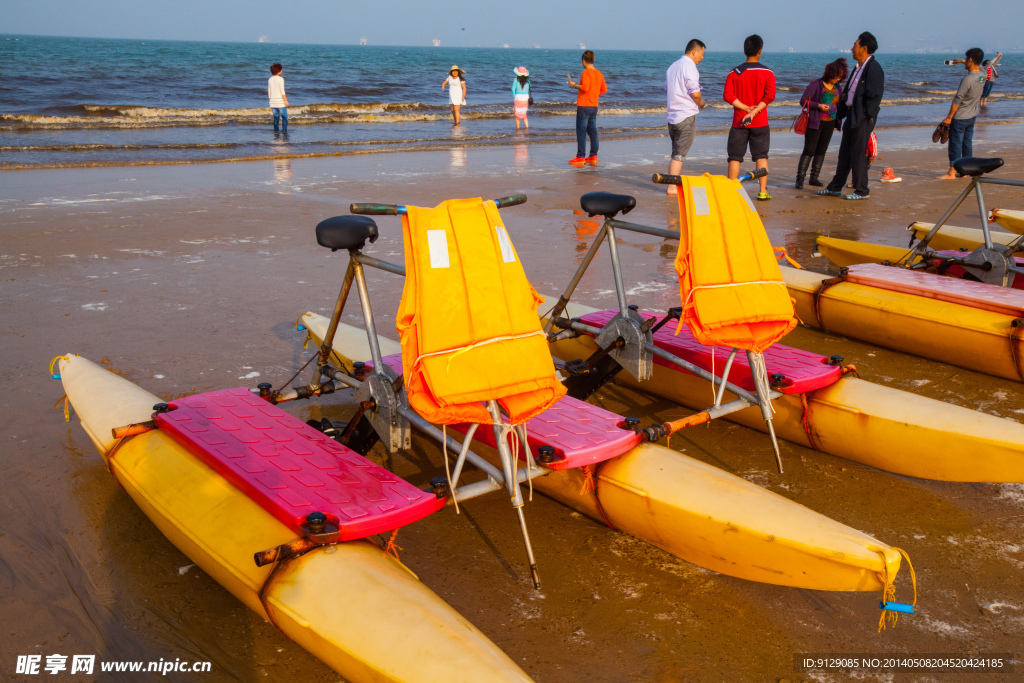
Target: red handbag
{"points": [[800, 122]]}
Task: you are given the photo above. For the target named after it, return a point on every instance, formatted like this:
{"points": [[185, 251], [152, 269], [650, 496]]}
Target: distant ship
{"points": [[436, 42], [583, 46], [536, 46], [262, 39], [504, 44], [791, 49], [362, 41]]}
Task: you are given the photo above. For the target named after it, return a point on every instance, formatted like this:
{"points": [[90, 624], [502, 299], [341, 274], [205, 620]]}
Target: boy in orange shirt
{"points": [[590, 87]]}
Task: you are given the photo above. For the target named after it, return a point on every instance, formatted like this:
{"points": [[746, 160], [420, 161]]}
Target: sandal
{"points": [[854, 195], [829, 193], [763, 196]]}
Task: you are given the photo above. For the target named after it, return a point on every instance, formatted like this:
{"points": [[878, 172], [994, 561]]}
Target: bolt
{"points": [[546, 455], [633, 307], [439, 485], [316, 521], [632, 422], [264, 388], [835, 360], [777, 379], [161, 408]]}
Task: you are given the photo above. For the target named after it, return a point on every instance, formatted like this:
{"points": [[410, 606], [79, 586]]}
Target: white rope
{"points": [[729, 284], [447, 472], [463, 349], [529, 459], [759, 370], [506, 430]]}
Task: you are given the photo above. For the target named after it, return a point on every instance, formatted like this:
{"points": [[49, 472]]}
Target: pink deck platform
{"points": [[291, 469], [581, 434], [957, 271], [804, 371], [1005, 300]]}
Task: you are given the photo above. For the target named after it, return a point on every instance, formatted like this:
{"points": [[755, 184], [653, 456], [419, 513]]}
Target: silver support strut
{"points": [[923, 244], [620, 289], [371, 330], [515, 493], [759, 372], [984, 217], [725, 376]]}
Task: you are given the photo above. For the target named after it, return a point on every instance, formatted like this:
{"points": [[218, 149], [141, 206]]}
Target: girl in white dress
{"points": [[456, 91]]}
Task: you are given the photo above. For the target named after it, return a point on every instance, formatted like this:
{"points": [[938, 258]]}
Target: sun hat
{"points": [[455, 67], [520, 71]]}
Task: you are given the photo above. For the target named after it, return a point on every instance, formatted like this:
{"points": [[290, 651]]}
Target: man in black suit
{"points": [[856, 116]]}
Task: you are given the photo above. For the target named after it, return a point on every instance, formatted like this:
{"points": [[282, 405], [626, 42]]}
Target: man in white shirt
{"points": [[278, 100], [682, 85]]}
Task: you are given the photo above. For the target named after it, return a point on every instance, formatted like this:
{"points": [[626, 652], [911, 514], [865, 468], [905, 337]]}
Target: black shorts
{"points": [[758, 139]]}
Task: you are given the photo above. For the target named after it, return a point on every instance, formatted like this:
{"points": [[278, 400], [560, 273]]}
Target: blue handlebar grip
{"points": [[896, 607], [300, 328], [55, 376]]}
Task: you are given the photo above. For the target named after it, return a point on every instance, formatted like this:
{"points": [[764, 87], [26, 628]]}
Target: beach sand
{"points": [[190, 278]]}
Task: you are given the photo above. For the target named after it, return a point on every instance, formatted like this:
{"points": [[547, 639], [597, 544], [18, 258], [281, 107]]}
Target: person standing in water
{"points": [[278, 100], [521, 95], [456, 84], [590, 87]]}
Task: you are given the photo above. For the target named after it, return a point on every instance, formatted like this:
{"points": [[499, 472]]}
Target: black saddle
{"points": [[975, 166], [346, 232], [606, 204]]}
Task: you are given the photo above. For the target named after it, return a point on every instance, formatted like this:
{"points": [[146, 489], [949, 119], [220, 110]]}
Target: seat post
{"points": [[984, 215], [371, 330], [620, 290], [346, 286]]}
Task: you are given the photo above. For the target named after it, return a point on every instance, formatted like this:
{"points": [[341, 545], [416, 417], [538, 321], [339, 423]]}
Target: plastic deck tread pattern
{"points": [[958, 271], [1006, 300], [804, 371], [581, 434], [291, 469]]}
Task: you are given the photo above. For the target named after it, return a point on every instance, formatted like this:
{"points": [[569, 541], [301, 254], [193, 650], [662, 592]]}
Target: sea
{"points": [[68, 102]]}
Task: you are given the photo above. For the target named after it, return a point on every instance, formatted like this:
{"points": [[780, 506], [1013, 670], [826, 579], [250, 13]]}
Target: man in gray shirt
{"points": [[964, 110]]}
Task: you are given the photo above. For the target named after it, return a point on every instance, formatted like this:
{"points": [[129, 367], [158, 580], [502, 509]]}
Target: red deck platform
{"points": [[804, 371], [1005, 300], [581, 434], [291, 469]]}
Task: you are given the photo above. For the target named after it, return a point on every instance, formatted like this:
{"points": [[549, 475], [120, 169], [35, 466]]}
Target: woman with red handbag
{"points": [[818, 120]]}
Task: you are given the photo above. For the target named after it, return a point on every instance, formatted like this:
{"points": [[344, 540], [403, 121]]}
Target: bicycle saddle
{"points": [[606, 204], [975, 166], [346, 232]]}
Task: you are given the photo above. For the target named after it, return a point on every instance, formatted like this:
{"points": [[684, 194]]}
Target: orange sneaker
{"points": [[577, 160], [591, 159]]}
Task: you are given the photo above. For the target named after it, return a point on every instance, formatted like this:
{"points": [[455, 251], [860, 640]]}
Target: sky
{"points": [[803, 25]]}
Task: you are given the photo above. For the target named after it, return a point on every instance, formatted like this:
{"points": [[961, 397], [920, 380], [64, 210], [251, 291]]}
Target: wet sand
{"points": [[187, 279]]}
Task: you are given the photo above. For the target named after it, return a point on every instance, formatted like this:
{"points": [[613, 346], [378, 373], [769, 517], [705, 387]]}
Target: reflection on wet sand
{"points": [[522, 155], [282, 170], [458, 158]]}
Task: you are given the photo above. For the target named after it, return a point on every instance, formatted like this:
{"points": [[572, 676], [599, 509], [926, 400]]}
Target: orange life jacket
{"points": [[729, 281], [468, 319]]}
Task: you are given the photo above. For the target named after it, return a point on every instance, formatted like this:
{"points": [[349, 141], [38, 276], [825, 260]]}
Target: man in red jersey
{"points": [[750, 88]]}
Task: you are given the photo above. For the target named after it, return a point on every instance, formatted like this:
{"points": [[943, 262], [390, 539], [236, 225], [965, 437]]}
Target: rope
{"points": [[851, 369], [447, 471], [505, 433], [588, 480], [825, 285], [596, 470], [1016, 340], [889, 591], [67, 411], [469, 347], [686, 303], [759, 370], [807, 422], [54, 361], [783, 254], [297, 372], [528, 458], [392, 548]]}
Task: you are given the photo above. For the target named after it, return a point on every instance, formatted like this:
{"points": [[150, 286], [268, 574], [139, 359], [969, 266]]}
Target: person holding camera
{"points": [[750, 88], [964, 110]]}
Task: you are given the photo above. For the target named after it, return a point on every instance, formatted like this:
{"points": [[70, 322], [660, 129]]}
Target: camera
{"points": [[949, 62]]}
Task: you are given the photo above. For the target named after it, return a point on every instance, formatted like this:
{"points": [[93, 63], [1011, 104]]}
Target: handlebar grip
{"points": [[759, 173], [374, 209], [667, 179], [511, 200]]}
